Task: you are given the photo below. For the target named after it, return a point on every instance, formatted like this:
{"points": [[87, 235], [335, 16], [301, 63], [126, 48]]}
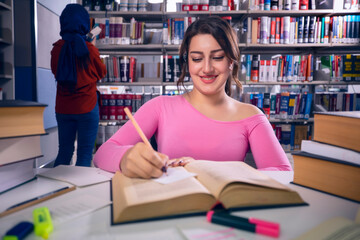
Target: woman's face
{"points": [[208, 65]]}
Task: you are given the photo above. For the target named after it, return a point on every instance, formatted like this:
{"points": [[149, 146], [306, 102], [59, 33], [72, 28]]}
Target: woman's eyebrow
{"points": [[213, 51]]}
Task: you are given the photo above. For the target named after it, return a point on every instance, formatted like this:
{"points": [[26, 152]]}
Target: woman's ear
{"points": [[231, 66]]}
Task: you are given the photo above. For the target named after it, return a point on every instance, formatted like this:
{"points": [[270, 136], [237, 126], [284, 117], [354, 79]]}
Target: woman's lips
{"points": [[208, 79]]}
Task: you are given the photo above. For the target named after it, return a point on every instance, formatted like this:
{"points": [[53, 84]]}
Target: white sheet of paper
{"points": [[79, 176], [209, 231], [174, 174], [76, 207]]}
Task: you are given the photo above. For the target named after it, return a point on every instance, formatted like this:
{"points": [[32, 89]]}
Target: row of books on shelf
{"points": [[112, 5], [338, 67], [282, 106], [171, 69], [330, 163], [286, 68], [21, 128], [113, 104], [216, 5], [115, 31], [301, 68], [261, 30], [337, 101], [119, 69], [304, 29], [291, 135], [289, 5]]}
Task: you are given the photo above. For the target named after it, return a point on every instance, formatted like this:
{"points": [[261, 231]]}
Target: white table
{"points": [[293, 220]]}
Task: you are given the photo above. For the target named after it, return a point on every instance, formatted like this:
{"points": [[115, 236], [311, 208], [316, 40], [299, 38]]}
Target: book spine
{"points": [[286, 30], [277, 30], [301, 29], [312, 29], [264, 30], [291, 106], [306, 29], [272, 105], [289, 70], [304, 4], [267, 5], [273, 30], [295, 5], [277, 105], [274, 4], [262, 70], [308, 106], [248, 67], [282, 30], [285, 136], [284, 105], [255, 68], [287, 4], [326, 30]]}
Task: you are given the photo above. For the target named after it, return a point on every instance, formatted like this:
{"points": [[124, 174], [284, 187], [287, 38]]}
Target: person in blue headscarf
{"points": [[76, 65]]}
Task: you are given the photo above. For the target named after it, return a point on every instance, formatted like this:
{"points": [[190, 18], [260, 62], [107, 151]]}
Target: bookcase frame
{"points": [[7, 79], [245, 48]]}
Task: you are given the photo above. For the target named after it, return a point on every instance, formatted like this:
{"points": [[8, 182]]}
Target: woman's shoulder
{"points": [[246, 110], [165, 100]]}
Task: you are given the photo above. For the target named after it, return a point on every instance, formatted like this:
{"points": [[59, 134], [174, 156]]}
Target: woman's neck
{"points": [[197, 99]]}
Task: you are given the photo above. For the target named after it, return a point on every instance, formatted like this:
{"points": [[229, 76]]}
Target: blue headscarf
{"points": [[74, 25]]}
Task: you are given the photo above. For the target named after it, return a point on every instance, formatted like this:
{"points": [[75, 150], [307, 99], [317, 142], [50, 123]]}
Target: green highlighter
{"points": [[42, 222]]}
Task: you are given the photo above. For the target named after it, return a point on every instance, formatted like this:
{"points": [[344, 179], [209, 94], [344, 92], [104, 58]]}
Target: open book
{"points": [[235, 185]]}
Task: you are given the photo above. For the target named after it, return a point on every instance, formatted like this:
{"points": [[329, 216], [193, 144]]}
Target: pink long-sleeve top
{"points": [[182, 131]]}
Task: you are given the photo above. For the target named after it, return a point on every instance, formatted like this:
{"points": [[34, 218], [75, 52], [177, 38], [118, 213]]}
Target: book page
{"points": [[174, 174], [139, 191], [140, 199], [216, 175]]}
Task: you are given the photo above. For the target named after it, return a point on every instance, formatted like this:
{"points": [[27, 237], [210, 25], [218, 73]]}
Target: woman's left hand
{"points": [[179, 162]]}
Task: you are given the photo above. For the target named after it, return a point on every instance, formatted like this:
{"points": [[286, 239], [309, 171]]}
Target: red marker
{"points": [[247, 224]]}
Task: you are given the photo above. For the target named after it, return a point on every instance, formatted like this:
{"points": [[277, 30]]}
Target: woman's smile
{"points": [[208, 78]]}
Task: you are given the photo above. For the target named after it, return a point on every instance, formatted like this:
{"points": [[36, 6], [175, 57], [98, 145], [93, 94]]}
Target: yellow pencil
{"points": [[142, 135]]}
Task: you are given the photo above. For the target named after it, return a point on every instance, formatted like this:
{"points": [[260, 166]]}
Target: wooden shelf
{"points": [[291, 120], [255, 13], [315, 82], [142, 83]]}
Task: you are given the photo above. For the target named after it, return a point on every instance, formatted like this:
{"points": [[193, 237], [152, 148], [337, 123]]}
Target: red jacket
{"points": [[84, 98]]}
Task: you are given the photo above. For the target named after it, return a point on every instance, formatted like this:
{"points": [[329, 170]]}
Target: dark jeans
{"points": [[85, 126]]}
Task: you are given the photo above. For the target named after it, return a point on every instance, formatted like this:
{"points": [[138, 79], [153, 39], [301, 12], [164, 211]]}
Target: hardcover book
{"points": [[21, 118], [338, 128], [235, 185], [328, 175]]}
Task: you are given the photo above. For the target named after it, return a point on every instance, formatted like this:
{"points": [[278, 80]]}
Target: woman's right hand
{"points": [[143, 162]]}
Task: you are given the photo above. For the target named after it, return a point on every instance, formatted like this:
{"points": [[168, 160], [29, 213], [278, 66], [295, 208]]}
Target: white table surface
{"points": [[293, 220]]}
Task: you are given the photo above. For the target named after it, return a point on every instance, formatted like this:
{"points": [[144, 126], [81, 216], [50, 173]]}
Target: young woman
{"points": [[204, 123], [77, 66]]}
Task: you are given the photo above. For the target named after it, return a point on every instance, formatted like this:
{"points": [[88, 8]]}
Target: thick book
{"points": [[330, 151], [16, 173], [15, 149], [328, 175], [234, 185], [21, 118], [339, 228], [338, 128]]}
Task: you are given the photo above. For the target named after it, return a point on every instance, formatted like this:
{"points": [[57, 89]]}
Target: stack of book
{"points": [[331, 163], [21, 125]]}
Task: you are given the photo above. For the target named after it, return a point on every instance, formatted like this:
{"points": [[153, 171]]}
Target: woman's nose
{"points": [[208, 67]]}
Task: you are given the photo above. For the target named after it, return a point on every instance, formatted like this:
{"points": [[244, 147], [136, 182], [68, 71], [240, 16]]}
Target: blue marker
{"points": [[19, 231]]}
